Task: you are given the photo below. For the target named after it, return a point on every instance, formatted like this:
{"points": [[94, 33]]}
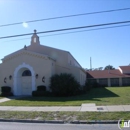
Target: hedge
{"points": [[6, 94], [41, 88], [5, 89], [41, 93]]}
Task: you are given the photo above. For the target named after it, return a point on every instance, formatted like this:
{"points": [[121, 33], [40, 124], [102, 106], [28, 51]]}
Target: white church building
{"points": [[33, 65]]}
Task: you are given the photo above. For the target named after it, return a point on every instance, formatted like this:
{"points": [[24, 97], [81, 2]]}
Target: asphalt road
{"points": [[40, 126]]}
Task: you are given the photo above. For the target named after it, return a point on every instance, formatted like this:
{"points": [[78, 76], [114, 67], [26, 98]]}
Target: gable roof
{"points": [[125, 68], [36, 47], [28, 53], [29, 49], [41, 49], [105, 74]]}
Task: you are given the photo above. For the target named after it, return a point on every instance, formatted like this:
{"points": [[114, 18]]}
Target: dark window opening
{"points": [[126, 81], [114, 81], [26, 73], [103, 82]]}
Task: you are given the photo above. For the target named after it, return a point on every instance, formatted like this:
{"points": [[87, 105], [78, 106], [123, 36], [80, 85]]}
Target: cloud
{"points": [[25, 25]]}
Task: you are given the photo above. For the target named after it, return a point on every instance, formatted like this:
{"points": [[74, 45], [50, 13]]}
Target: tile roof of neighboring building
{"points": [[105, 74], [125, 68]]}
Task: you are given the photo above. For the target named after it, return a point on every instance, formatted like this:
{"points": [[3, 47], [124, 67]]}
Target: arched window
{"points": [[26, 73]]}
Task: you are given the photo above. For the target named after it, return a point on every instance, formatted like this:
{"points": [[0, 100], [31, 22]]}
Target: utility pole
{"points": [[90, 64]]}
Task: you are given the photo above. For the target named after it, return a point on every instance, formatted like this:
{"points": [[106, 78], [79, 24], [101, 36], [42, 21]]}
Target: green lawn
{"points": [[100, 96], [66, 116]]}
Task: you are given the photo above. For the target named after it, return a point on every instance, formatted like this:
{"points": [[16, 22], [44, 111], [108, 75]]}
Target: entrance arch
{"points": [[22, 81]]}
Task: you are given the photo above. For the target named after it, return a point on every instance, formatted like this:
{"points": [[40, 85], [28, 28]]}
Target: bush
{"points": [[41, 93], [95, 85], [103, 85], [5, 89], [87, 87], [41, 88], [90, 84], [6, 94], [64, 85]]}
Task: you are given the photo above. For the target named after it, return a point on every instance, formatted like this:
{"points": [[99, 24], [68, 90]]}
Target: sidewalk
{"points": [[83, 108]]}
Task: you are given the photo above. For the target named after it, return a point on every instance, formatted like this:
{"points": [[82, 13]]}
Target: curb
{"points": [[32, 121], [95, 122], [61, 121]]}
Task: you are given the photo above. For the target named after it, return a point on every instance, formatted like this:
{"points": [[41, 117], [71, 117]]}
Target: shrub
{"points": [[41, 93], [64, 85], [41, 88], [89, 84], [87, 87], [103, 85], [95, 85], [5, 89], [6, 94]]}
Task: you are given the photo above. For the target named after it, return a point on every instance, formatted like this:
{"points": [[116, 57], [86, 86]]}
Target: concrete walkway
{"points": [[90, 107], [83, 108]]}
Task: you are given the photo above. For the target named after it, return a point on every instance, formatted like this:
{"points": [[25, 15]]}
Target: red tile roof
{"points": [[125, 68], [106, 74]]}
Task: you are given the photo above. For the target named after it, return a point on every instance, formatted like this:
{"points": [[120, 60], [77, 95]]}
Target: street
{"points": [[40, 126]]}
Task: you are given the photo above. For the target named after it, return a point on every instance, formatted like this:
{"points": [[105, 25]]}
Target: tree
{"points": [[109, 67]]}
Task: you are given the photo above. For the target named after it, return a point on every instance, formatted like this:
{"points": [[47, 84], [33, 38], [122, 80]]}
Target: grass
{"points": [[66, 116], [100, 96]]}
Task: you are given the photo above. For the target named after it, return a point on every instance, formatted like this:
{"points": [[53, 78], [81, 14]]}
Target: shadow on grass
{"points": [[92, 95]]}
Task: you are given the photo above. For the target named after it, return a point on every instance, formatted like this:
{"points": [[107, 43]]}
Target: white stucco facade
{"points": [[42, 62]]}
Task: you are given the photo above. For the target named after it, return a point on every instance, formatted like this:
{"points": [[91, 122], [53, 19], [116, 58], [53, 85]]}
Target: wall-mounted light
{"points": [[5, 79], [36, 76], [43, 79], [10, 77]]}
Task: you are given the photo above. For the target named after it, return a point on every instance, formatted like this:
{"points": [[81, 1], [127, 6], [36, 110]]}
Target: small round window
{"points": [[26, 73]]}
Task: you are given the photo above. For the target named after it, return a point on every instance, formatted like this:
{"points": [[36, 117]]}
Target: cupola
{"points": [[35, 39]]}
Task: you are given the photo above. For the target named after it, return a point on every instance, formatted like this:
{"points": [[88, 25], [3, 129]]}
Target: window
{"points": [[114, 81], [125, 81], [26, 73], [92, 80], [103, 82]]}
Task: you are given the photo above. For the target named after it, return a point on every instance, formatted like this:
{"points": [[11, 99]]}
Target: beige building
{"points": [[33, 65]]}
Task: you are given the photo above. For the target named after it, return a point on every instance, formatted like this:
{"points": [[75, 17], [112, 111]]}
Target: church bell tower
{"points": [[35, 39]]}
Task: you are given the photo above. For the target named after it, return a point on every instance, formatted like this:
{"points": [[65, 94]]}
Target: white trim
{"points": [[16, 77], [27, 52], [120, 70]]}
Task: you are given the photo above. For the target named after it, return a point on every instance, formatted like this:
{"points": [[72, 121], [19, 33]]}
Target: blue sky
{"points": [[106, 46]]}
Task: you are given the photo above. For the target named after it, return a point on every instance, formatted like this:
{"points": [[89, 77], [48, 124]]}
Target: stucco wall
{"points": [[53, 68], [41, 65], [60, 56], [82, 77], [72, 61], [60, 69], [75, 71]]}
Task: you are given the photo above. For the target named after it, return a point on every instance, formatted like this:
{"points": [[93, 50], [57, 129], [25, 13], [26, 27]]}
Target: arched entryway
{"points": [[26, 86], [24, 80]]}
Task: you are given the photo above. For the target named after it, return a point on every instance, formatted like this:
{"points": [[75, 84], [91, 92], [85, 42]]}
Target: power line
{"points": [[67, 29], [66, 16], [73, 32]]}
